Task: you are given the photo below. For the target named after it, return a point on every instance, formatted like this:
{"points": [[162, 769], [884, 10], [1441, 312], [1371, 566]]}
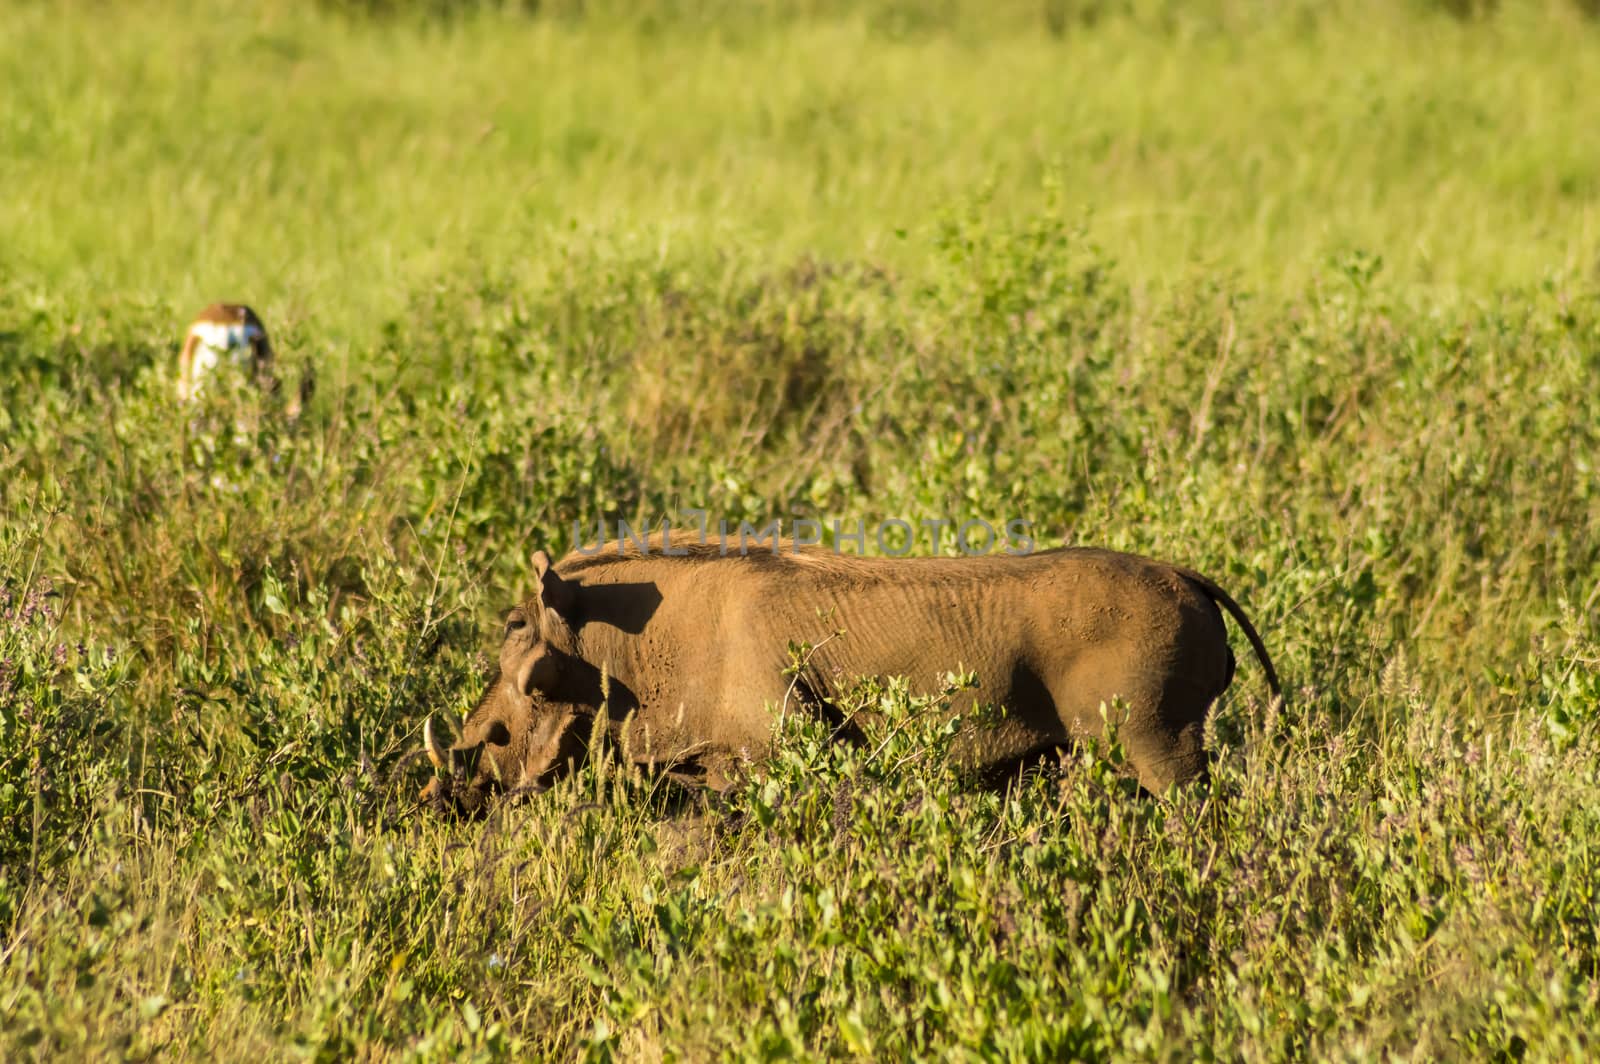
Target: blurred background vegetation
{"points": [[1306, 296]]}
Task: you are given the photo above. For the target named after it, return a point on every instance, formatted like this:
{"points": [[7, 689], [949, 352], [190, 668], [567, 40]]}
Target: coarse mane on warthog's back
{"points": [[695, 642]]}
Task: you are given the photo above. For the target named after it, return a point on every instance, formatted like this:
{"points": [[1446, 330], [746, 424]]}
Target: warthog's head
{"points": [[510, 744], [523, 733]]}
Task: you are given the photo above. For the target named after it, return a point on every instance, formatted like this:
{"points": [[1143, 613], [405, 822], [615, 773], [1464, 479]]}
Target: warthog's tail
{"points": [[1223, 599]]}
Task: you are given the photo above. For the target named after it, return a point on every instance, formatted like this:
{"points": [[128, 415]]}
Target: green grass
{"points": [[316, 153], [1306, 298]]}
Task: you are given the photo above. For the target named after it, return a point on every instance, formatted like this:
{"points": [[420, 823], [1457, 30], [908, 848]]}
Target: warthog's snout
{"points": [[505, 749], [467, 777]]}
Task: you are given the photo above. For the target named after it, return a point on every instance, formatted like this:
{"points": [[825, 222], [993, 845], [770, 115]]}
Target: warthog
{"points": [[697, 652]]}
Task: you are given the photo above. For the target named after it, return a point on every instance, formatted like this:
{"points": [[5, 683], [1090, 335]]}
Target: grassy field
{"points": [[1306, 296]]}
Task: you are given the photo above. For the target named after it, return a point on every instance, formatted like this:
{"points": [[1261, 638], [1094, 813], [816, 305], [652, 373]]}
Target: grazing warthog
{"points": [[697, 653]]}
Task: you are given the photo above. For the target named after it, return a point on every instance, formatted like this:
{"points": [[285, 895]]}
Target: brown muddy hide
{"points": [[512, 744]]}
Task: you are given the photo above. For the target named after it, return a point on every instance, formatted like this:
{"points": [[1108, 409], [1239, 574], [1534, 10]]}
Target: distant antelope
{"points": [[231, 333]]}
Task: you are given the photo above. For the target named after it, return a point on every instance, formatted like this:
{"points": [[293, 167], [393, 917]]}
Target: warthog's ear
{"points": [[554, 592]]}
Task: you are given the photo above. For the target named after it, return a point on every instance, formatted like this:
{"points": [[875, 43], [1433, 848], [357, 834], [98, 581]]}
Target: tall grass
{"points": [[1304, 298], [159, 154]]}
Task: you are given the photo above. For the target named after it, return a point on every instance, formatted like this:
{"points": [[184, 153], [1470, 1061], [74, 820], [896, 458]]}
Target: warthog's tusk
{"points": [[436, 753]]}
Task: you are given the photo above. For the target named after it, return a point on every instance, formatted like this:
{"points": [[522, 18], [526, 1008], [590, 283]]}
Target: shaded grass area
{"points": [[222, 630]]}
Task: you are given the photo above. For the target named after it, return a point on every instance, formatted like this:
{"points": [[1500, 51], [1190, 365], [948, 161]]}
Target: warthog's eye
{"points": [[516, 621]]}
